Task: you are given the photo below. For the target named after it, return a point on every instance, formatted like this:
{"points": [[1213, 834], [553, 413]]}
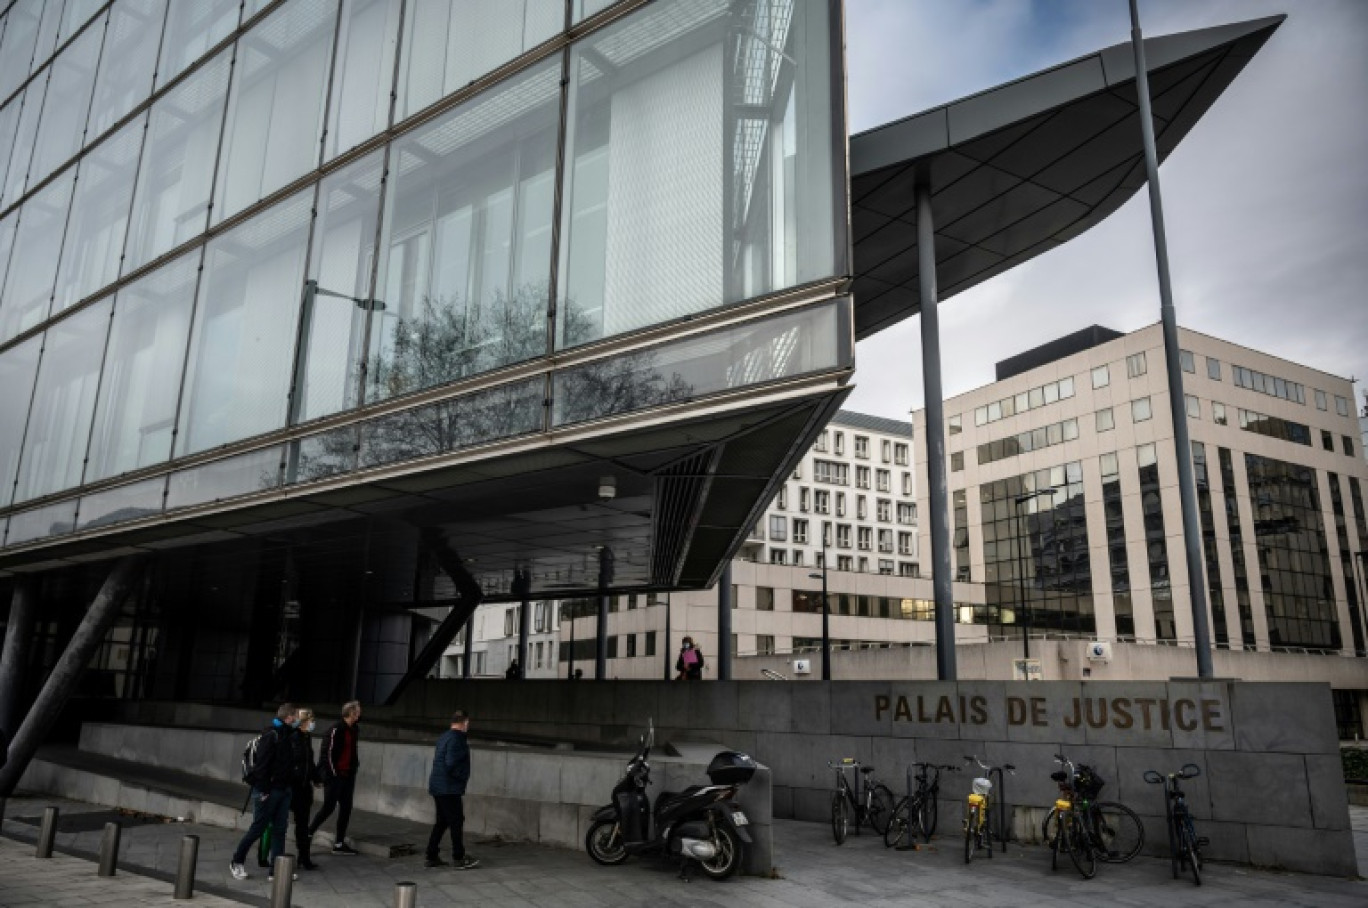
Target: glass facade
{"points": [[1215, 591], [1156, 547], [1117, 558], [1237, 554], [440, 209], [1348, 575]]}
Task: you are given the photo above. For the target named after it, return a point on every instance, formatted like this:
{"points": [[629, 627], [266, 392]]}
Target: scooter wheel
{"points": [[728, 858], [603, 841]]}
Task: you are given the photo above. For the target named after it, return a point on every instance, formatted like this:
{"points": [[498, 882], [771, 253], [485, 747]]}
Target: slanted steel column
{"points": [[601, 628], [522, 588], [66, 675], [938, 496], [18, 630], [1187, 488], [724, 624]]}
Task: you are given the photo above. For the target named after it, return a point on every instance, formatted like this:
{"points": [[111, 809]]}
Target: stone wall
{"points": [[1271, 791]]}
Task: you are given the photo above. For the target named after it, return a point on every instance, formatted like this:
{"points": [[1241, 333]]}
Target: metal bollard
{"points": [[46, 833], [283, 885], [185, 870], [109, 849], [405, 895]]}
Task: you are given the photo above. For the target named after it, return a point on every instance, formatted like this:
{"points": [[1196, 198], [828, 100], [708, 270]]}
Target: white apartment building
{"points": [[1065, 509], [494, 645]]}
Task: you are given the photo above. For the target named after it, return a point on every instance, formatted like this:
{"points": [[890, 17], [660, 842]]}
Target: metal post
{"points": [[405, 895], [724, 624], [668, 651], [1187, 490], [468, 651], [282, 886], [109, 849], [826, 614], [522, 586], [46, 833], [601, 630], [937, 484], [18, 630], [185, 868]]}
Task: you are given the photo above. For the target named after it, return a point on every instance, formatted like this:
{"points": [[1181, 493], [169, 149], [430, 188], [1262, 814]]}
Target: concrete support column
{"points": [[18, 631], [937, 491], [66, 675], [724, 624]]}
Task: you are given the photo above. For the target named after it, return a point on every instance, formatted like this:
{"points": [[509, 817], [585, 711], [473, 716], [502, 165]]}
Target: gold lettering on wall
{"points": [[1122, 713]]}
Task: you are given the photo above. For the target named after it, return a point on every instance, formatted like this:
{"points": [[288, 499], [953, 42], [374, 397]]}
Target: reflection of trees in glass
{"points": [[445, 340], [617, 385], [453, 424]]}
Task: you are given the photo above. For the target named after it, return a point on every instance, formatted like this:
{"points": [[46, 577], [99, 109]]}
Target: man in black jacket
{"points": [[338, 763], [447, 785], [271, 775]]}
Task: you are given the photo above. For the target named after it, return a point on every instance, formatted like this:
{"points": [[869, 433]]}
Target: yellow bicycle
{"points": [[978, 832]]}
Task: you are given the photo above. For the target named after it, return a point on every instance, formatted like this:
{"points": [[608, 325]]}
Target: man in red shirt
{"points": [[337, 765]]}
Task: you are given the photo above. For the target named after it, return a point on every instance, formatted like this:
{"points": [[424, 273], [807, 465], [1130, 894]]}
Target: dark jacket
{"points": [[335, 745], [450, 765], [305, 768], [275, 757], [693, 672]]}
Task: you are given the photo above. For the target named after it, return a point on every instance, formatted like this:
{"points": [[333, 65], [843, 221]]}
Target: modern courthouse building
{"points": [[322, 321]]}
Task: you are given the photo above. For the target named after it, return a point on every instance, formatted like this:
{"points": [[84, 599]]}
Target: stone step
{"points": [[113, 782]]}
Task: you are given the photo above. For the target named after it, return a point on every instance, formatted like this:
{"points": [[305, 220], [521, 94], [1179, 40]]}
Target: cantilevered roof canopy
{"points": [[1022, 168]]}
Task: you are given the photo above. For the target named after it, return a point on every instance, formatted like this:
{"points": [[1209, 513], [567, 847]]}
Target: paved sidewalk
{"points": [[813, 873]]}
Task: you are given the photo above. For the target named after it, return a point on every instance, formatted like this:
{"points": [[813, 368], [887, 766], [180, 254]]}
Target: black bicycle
{"points": [[917, 812], [867, 801], [1185, 846], [1113, 830]]}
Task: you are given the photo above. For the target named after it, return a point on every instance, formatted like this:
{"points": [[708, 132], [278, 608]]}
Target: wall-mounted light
{"points": [[607, 488]]}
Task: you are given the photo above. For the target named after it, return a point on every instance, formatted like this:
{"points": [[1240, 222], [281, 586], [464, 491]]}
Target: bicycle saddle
{"points": [[866, 769], [1059, 776]]}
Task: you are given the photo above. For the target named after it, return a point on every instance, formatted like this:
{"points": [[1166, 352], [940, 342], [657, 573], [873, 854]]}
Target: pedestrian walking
{"points": [[447, 785], [690, 661], [306, 779], [272, 776], [338, 763]]}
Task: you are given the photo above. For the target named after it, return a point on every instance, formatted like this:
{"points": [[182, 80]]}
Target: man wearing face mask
{"points": [[272, 777], [306, 778]]}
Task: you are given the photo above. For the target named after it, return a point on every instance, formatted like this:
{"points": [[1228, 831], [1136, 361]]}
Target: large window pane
{"points": [[47, 32], [450, 43], [21, 34], [68, 102], [75, 14], [16, 178], [586, 8], [226, 478], [9, 125], [341, 263], [679, 197], [18, 368], [237, 382], [7, 230], [363, 74], [138, 499], [780, 347], [128, 62], [171, 203], [136, 411], [99, 216], [450, 425], [275, 107], [37, 245], [40, 523], [192, 27], [466, 248], [63, 401]]}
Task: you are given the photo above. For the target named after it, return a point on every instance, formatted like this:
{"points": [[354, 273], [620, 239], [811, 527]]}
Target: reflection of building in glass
{"points": [[1276, 469]]}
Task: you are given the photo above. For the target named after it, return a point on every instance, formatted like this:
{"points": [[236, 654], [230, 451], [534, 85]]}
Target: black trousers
{"points": [[301, 802], [450, 816], [337, 794]]}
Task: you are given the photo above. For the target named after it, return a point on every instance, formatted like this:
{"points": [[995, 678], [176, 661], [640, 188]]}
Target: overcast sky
{"points": [[1265, 201]]}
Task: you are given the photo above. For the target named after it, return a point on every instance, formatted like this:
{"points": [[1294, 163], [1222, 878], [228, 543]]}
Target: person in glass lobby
{"points": [[690, 661]]}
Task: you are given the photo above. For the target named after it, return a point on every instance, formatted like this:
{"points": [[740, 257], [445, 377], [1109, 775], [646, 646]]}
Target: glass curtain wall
{"points": [[128, 61], [1156, 543], [18, 368], [1237, 555], [1118, 560], [362, 74], [37, 246], [1213, 565], [1348, 575], [71, 80], [21, 38], [16, 177]]}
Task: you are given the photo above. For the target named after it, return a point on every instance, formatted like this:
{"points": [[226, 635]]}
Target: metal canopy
{"points": [[1022, 168]]}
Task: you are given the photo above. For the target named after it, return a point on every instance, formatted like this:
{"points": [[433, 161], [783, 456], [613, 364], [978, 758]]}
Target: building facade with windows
{"points": [[1063, 483]]}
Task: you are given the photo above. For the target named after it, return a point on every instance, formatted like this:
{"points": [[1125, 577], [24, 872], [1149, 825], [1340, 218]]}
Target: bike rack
{"points": [[1003, 823]]}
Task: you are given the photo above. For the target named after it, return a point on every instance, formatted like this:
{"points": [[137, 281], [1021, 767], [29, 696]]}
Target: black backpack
{"points": [[254, 771]]}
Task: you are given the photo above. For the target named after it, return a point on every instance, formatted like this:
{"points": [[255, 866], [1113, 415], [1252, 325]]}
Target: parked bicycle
{"points": [[1114, 831], [1185, 846], [917, 812], [978, 831], [1065, 831], [867, 801]]}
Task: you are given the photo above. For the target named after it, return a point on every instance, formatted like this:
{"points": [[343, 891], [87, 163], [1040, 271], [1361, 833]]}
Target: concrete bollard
{"points": [[405, 895], [46, 833], [283, 885], [109, 849], [185, 869]]}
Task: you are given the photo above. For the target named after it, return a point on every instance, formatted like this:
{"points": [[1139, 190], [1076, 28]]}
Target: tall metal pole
{"points": [[522, 583], [1187, 489], [826, 614], [601, 629], [938, 497], [724, 624]]}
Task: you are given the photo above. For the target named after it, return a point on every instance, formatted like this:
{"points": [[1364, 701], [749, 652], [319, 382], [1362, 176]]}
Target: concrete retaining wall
{"points": [[1271, 791]]}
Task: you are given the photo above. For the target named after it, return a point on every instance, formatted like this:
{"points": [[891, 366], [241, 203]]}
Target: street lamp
{"points": [[311, 293], [1021, 566], [826, 611]]}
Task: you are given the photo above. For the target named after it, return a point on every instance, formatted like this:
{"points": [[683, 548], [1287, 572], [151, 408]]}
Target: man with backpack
{"points": [[270, 766]]}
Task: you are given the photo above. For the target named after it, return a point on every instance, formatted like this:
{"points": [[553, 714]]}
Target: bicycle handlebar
{"points": [[1189, 771], [972, 758]]}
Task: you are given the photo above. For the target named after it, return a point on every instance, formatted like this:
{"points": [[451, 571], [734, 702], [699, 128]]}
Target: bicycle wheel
{"points": [[1080, 849], [971, 824], [1049, 833], [899, 824], [1193, 858], [927, 815], [1119, 833], [881, 802], [840, 817]]}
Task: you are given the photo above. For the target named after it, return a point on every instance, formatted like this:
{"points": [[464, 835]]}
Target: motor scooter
{"points": [[702, 824]]}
